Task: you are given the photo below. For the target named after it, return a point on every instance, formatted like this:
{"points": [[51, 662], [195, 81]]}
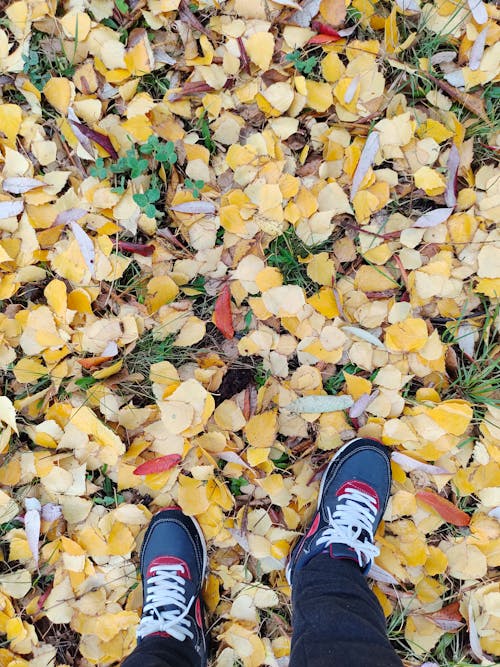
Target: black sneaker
{"points": [[173, 568], [352, 499]]}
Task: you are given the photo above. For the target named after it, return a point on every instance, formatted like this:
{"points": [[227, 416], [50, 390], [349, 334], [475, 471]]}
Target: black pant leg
{"points": [[337, 620], [157, 651]]}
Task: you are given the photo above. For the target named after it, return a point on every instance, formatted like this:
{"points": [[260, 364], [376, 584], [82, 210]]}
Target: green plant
{"points": [[138, 162], [194, 186], [235, 485], [108, 495], [261, 376], [301, 63], [285, 253]]}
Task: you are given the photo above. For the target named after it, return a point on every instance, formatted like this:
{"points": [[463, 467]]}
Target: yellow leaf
{"points": [[260, 430], [260, 48], [319, 95], [8, 413], [59, 92], [192, 496], [324, 302], [10, 122], [466, 561], [430, 181], [453, 416], [406, 336]]}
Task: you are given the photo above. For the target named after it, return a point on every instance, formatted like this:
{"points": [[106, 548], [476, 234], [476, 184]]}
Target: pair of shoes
{"points": [[352, 499]]}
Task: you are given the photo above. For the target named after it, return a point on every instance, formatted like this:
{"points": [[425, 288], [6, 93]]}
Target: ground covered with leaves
{"points": [[233, 236]]}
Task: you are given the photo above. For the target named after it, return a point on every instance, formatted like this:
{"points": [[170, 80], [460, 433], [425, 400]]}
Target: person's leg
{"points": [[337, 620], [171, 632]]}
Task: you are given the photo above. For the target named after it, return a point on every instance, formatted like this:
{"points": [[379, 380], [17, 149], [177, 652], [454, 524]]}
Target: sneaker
{"points": [[173, 567], [353, 495]]}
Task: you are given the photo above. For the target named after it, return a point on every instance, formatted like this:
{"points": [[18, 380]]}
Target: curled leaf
{"points": [[160, 464], [18, 185], [370, 150], [86, 245], [194, 207], [9, 209], [313, 404], [145, 250], [448, 511], [433, 218], [450, 195], [223, 317], [364, 335], [362, 403], [407, 463]]}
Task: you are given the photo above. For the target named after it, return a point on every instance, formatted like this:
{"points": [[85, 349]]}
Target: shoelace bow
{"points": [[355, 513], [166, 607]]}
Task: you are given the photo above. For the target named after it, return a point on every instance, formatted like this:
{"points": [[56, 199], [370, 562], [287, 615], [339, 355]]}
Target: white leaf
{"points": [[232, 457], [362, 403], [9, 209], [82, 138], [345, 32], [379, 574], [51, 512], [240, 538], [85, 244], [32, 504], [452, 165], [495, 513], [314, 404], [194, 207], [161, 56], [478, 11], [465, 339], [8, 413], [32, 528], [407, 463], [370, 150], [443, 57], [110, 350], [17, 185], [306, 13], [351, 90], [288, 3], [364, 335], [433, 218], [475, 645], [456, 78], [71, 215], [408, 5], [477, 50]]}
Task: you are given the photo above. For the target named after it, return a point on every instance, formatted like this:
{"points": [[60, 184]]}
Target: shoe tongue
{"points": [[342, 551]]}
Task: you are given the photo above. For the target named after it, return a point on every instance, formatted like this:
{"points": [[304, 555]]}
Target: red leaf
{"points": [[223, 315], [98, 138], [160, 464], [90, 362], [137, 248], [324, 39], [325, 29], [448, 511]]}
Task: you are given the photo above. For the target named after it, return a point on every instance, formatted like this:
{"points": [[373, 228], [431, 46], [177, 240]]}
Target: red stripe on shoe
{"points": [[359, 486], [197, 613], [169, 560], [314, 526]]}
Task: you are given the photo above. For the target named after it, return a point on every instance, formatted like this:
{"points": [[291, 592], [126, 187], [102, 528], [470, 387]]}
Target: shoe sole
{"points": [[321, 490], [204, 545]]}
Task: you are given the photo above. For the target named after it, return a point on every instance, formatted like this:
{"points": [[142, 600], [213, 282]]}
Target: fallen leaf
{"points": [[160, 464], [448, 511]]}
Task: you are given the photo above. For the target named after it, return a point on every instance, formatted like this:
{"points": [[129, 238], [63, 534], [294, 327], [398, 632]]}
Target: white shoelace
{"points": [[356, 512], [166, 589]]}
